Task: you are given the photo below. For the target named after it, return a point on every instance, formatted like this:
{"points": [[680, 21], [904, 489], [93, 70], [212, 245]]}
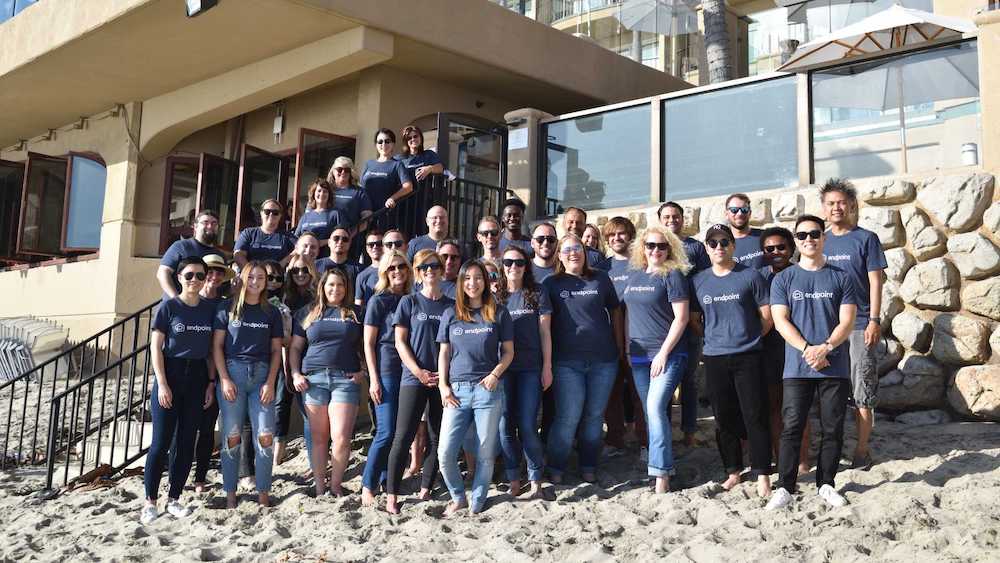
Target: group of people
{"points": [[461, 354]]}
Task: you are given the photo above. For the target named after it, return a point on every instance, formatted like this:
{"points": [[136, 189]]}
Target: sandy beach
{"points": [[932, 496]]}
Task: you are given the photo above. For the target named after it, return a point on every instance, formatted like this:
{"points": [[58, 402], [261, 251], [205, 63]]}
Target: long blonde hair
{"points": [[341, 162], [236, 307], [677, 260], [320, 304], [383, 284]]}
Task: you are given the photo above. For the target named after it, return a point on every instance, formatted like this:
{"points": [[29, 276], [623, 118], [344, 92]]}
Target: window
{"points": [[42, 204], [263, 176], [316, 153], [84, 210], [911, 113], [10, 8], [11, 184], [217, 190], [599, 160], [180, 200], [735, 139]]}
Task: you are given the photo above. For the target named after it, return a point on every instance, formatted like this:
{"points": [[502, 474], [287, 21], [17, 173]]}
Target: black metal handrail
{"points": [[27, 397]]}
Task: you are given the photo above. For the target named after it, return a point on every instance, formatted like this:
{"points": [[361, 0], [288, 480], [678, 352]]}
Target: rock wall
{"points": [[941, 299]]}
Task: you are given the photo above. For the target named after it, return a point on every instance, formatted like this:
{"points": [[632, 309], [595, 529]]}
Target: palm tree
{"points": [[720, 68]]}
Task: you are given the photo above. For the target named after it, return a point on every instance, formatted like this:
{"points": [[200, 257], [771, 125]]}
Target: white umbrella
{"points": [[663, 17]]}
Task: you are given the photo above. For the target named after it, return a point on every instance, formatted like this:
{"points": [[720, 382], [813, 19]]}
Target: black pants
{"points": [[738, 393], [413, 400], [798, 398], [187, 380], [205, 444], [548, 412]]}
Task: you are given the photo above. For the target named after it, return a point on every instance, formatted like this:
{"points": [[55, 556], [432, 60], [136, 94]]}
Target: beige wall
{"points": [[989, 88]]}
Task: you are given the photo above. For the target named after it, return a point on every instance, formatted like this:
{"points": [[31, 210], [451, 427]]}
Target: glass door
{"points": [[263, 176], [472, 148], [217, 190]]}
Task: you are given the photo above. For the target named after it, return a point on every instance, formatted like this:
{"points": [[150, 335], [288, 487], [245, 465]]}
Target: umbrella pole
{"points": [[902, 120]]}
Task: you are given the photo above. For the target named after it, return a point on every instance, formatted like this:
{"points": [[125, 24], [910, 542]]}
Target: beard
{"points": [[208, 238]]}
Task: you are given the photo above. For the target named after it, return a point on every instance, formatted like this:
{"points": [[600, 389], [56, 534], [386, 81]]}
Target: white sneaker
{"points": [[644, 454], [178, 510], [148, 514], [779, 499], [831, 496]]}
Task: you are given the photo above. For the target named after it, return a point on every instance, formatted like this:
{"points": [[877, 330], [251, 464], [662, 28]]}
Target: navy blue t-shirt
{"points": [[813, 299], [248, 339], [748, 252], [381, 313], [541, 272], [421, 316], [772, 340], [424, 158], [382, 179], [522, 243], [527, 336], [597, 260], [475, 345], [188, 330], [856, 253], [649, 300], [581, 322], [448, 288], [730, 306], [364, 284], [351, 202], [619, 272], [351, 268], [696, 254], [333, 341], [423, 242], [181, 249], [320, 223], [262, 246]]}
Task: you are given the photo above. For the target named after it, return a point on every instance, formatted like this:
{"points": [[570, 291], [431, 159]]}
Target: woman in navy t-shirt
{"points": [[416, 325], [586, 317], [247, 342], [477, 346], [385, 179], [329, 373], [656, 306], [384, 365], [321, 216], [351, 200], [180, 347], [530, 372], [269, 241]]}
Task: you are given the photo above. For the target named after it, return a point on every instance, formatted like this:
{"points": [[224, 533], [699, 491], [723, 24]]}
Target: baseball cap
{"points": [[720, 229]]}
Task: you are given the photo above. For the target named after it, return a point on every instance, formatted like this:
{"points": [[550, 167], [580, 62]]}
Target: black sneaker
{"points": [[864, 463]]}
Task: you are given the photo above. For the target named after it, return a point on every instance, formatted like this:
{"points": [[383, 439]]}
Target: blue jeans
{"points": [[480, 407], [522, 395], [249, 378], [581, 392], [378, 453], [656, 393]]}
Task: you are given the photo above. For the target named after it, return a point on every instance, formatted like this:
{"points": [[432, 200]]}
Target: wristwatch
{"points": [[876, 320]]}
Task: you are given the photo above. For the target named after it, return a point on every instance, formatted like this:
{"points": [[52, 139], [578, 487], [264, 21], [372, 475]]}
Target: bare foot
{"points": [[411, 472], [200, 487], [803, 468], [763, 486], [732, 481], [230, 500], [662, 485], [391, 506], [425, 494], [535, 492], [454, 507], [367, 497], [515, 487], [279, 453], [264, 499]]}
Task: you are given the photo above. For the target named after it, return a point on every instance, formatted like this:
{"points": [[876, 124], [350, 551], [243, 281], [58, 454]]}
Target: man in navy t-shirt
{"points": [[206, 233], [544, 242], [266, 242], [364, 285], [575, 221], [513, 219], [340, 245], [859, 254], [671, 216], [437, 231], [814, 307], [748, 250]]}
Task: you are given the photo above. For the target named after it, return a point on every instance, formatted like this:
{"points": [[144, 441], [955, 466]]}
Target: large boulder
{"points": [[976, 392], [692, 218], [885, 223], [788, 206], [892, 303], [888, 352], [898, 262], [923, 418], [995, 341], [983, 298], [925, 240], [991, 219], [958, 201], [932, 285], [912, 331], [919, 382], [960, 340], [886, 191], [761, 211], [975, 256]]}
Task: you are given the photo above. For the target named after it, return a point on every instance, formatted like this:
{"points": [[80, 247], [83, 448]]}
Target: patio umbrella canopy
{"points": [[663, 17]]}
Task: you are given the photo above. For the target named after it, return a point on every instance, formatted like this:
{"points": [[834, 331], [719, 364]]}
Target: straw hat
{"points": [[216, 261]]}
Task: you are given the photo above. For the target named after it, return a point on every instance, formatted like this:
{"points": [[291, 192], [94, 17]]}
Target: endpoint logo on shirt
{"points": [[457, 331], [798, 295], [178, 327], [564, 294], [750, 256], [421, 316], [707, 300], [236, 323], [837, 257]]}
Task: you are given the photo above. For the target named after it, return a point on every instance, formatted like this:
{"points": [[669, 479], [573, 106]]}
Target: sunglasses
{"points": [[395, 267], [571, 249], [429, 266], [448, 257], [340, 238], [393, 243], [723, 242], [299, 271], [657, 245], [813, 234], [275, 279], [511, 262], [546, 240], [200, 276], [374, 244], [271, 212], [775, 248], [745, 210], [385, 142], [489, 233], [341, 170]]}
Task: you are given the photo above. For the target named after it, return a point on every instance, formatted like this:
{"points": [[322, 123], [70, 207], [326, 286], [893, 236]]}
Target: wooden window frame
{"points": [[24, 196], [168, 183], [66, 201], [15, 217], [299, 155]]}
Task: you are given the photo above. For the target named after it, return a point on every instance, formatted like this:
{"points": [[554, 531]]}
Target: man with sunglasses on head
{"points": [[206, 234], [544, 242], [814, 306], [513, 220], [437, 231], [364, 285], [748, 250], [859, 254], [575, 221], [340, 246], [732, 300], [488, 235]]}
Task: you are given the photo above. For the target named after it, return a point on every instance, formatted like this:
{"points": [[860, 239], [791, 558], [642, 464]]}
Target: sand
{"points": [[934, 495]]}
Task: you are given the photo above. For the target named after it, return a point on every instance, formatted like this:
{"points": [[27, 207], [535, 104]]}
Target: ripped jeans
{"points": [[248, 377]]}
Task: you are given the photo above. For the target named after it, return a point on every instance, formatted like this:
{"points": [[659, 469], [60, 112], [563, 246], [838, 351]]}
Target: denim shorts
{"points": [[330, 386]]}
